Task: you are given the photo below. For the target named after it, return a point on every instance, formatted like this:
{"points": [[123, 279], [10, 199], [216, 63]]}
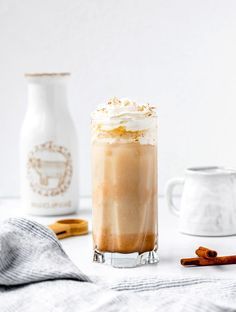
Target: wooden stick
{"points": [[205, 252], [209, 261]]}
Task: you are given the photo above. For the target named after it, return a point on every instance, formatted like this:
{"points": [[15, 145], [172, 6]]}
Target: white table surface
{"points": [[172, 246]]}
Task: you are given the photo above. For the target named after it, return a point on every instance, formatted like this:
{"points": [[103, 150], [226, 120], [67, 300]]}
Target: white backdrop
{"points": [[180, 55]]}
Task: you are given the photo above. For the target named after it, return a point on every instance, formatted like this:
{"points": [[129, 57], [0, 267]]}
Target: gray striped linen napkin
{"points": [[36, 275]]}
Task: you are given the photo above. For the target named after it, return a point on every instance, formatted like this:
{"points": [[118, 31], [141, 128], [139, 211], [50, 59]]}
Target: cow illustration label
{"points": [[49, 169]]}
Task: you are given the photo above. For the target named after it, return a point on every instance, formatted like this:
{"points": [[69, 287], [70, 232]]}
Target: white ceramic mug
{"points": [[208, 202]]}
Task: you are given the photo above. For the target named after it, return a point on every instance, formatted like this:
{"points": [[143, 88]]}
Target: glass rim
{"points": [[124, 120]]}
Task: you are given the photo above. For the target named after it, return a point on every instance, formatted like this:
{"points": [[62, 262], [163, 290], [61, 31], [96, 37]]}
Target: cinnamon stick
{"points": [[209, 261], [205, 252]]}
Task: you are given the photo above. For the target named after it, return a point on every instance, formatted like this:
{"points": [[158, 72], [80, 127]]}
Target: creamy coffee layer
{"points": [[124, 196]]}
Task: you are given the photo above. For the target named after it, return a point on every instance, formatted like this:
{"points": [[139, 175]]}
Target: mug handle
{"points": [[169, 194]]}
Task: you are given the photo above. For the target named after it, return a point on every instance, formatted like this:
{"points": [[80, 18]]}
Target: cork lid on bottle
{"points": [[47, 74]]}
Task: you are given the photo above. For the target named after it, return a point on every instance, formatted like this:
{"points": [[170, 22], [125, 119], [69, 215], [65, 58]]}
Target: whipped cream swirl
{"points": [[128, 117]]}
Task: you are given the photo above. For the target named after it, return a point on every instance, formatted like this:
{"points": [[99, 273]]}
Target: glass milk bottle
{"points": [[124, 179], [48, 148]]}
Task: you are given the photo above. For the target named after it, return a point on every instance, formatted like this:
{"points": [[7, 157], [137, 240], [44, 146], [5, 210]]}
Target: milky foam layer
{"points": [[122, 119]]}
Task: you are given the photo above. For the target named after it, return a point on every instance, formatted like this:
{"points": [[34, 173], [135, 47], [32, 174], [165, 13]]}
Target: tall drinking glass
{"points": [[124, 179]]}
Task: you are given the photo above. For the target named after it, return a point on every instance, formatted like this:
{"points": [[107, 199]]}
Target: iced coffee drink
{"points": [[124, 178]]}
